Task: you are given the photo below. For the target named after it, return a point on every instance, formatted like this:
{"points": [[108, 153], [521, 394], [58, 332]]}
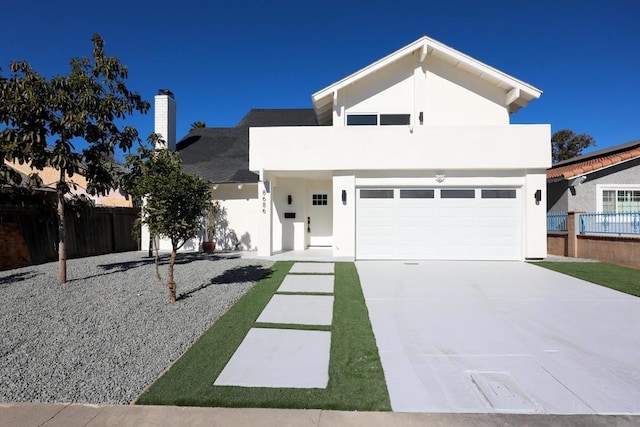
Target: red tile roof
{"points": [[594, 161]]}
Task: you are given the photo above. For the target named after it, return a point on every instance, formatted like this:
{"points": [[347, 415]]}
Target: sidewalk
{"points": [[72, 415]]}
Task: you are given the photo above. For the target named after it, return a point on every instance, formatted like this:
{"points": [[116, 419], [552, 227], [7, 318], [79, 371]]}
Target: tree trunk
{"points": [[62, 247], [171, 282], [156, 245]]}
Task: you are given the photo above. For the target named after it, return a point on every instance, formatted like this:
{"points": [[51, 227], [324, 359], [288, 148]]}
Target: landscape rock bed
{"points": [[110, 331]]}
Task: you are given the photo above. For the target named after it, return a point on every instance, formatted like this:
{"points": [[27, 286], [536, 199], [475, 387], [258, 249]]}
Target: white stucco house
{"points": [[411, 157]]}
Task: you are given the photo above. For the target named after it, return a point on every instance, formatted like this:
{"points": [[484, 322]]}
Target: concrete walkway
{"points": [[290, 358], [473, 337], [74, 415]]}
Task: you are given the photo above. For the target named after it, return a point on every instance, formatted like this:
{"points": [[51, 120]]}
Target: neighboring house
{"points": [[77, 183], [602, 181], [412, 157]]}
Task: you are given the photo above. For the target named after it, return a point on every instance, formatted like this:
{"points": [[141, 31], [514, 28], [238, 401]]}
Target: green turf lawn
{"points": [[621, 279], [356, 379]]}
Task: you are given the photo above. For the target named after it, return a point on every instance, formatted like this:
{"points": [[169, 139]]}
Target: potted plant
{"points": [[210, 217]]}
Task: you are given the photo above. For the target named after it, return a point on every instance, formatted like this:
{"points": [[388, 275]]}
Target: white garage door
{"points": [[451, 224]]}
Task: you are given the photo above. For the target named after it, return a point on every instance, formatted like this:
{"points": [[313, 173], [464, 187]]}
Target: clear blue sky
{"points": [[222, 58]]}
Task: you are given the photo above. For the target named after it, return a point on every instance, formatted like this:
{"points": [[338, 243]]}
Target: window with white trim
{"points": [[375, 119], [319, 200], [620, 200]]}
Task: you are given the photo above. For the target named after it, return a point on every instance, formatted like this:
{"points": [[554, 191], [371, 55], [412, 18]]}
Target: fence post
{"points": [[573, 228]]}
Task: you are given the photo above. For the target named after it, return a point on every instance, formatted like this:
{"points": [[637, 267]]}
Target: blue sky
{"points": [[221, 59]]}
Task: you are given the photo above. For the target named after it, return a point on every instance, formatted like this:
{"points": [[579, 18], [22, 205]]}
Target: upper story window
{"points": [[394, 119], [362, 119], [381, 119]]}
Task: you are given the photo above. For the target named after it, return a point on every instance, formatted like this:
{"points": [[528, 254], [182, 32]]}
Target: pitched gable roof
{"points": [[221, 155], [591, 162], [518, 93]]}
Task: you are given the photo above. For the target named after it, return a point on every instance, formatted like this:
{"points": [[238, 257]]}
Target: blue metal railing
{"points": [[557, 222], [627, 223]]}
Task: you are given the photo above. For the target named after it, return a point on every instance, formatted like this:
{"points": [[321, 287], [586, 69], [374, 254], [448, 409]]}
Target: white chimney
{"points": [[165, 118]]}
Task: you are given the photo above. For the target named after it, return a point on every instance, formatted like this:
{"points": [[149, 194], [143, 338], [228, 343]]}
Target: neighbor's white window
{"points": [[620, 200]]}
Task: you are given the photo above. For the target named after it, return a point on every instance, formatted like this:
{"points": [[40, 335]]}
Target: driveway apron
{"points": [[465, 336]]}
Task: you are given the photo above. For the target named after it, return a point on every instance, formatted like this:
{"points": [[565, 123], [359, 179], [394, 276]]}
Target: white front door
{"points": [[319, 221]]}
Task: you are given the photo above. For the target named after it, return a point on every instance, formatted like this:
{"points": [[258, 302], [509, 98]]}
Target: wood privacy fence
{"points": [[97, 231]]}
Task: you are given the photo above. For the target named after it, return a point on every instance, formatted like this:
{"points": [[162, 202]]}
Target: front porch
{"points": [[309, 254], [298, 215]]}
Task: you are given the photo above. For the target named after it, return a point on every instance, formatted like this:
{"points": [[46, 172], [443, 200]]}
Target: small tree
{"points": [[43, 119], [566, 144], [174, 200]]}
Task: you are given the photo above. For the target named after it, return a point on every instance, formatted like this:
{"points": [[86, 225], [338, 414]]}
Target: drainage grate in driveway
{"points": [[502, 392]]}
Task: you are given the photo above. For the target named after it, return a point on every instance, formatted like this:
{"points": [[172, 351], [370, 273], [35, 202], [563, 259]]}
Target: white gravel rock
{"points": [[110, 330]]}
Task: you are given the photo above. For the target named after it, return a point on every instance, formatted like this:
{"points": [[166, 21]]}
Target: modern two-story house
{"points": [[411, 157]]}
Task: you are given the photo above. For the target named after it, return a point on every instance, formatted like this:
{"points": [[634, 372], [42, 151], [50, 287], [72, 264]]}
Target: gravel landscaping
{"points": [[109, 331]]}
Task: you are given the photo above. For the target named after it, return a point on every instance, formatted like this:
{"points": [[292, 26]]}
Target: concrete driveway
{"points": [[502, 337]]}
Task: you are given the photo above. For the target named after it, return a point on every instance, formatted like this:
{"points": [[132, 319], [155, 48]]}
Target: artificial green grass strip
{"points": [[621, 279], [356, 378], [293, 326], [189, 380]]}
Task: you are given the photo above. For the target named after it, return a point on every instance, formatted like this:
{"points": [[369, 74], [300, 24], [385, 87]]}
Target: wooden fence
{"points": [[97, 231]]}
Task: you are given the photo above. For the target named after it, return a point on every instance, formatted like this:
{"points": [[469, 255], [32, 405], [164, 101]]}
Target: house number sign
{"points": [[264, 201]]}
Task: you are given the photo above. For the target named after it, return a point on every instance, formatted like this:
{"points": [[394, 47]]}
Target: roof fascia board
{"points": [[426, 44]]}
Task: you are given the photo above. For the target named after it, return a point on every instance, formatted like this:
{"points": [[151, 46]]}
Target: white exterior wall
{"points": [[344, 216], [397, 148], [265, 207], [536, 215], [457, 98], [390, 90], [239, 222], [447, 96], [484, 156]]}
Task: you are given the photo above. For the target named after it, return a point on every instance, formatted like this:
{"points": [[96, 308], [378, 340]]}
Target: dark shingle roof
{"points": [[221, 155], [279, 117]]}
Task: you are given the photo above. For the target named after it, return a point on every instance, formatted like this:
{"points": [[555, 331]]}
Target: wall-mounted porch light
{"points": [[344, 197], [289, 199], [440, 177], [240, 186], [538, 196]]}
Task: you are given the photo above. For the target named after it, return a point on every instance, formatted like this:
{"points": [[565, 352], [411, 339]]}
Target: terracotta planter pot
{"points": [[208, 247]]}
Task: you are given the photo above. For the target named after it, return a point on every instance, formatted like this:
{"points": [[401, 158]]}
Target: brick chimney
{"points": [[165, 118]]}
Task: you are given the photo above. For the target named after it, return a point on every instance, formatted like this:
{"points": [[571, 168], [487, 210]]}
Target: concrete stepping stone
{"points": [[298, 310], [313, 267], [307, 283], [279, 358]]}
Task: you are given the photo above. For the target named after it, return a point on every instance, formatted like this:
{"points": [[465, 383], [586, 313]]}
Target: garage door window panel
{"points": [[417, 194], [376, 194], [457, 194], [498, 194]]}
